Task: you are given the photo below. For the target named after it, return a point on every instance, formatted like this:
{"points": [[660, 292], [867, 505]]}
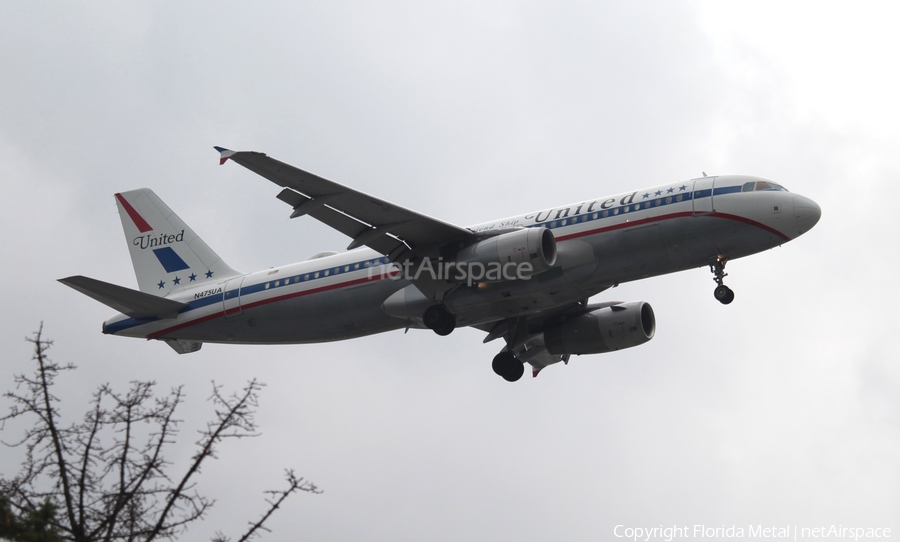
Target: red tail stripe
{"points": [[138, 220]]}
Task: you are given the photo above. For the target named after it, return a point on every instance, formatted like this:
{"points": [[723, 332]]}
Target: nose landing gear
{"points": [[722, 293]]}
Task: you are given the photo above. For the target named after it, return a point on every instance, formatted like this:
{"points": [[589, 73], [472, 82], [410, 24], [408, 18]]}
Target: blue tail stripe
{"points": [[170, 260]]}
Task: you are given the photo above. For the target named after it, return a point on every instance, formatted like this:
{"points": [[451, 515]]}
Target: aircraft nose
{"points": [[807, 213]]}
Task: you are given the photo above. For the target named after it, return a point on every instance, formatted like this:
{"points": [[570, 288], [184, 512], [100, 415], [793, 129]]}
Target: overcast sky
{"points": [[781, 408]]}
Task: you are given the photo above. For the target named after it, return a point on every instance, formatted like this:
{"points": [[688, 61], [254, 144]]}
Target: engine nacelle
{"points": [[502, 257], [603, 330]]}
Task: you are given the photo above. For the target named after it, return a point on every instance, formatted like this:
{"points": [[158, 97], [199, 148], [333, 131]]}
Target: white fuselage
{"points": [[601, 243]]}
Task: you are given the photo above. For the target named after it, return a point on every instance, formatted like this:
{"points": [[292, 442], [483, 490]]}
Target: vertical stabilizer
{"points": [[166, 253]]}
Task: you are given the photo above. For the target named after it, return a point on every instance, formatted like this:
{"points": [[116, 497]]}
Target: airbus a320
{"points": [[525, 279]]}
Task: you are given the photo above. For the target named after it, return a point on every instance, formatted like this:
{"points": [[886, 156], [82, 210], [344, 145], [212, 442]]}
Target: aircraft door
{"points": [[231, 297], [702, 196]]}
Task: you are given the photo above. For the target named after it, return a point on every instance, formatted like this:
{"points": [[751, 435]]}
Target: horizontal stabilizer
{"points": [[125, 300]]}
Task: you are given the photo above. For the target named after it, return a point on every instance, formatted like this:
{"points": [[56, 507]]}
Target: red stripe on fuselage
{"points": [[623, 225], [650, 220], [138, 220]]}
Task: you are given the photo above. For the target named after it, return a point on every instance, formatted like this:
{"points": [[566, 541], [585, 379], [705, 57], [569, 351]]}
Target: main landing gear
{"points": [[508, 366], [722, 293], [439, 319]]}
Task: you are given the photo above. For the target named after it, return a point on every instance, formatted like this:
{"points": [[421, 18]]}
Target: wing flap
{"points": [[125, 300], [353, 228]]}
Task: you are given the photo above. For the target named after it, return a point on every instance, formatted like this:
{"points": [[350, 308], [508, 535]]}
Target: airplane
{"points": [[526, 279]]}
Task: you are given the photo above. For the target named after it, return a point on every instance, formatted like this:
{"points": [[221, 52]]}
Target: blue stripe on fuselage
{"points": [[658, 201]]}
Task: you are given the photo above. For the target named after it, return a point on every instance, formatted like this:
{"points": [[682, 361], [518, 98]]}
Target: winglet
{"points": [[224, 154]]}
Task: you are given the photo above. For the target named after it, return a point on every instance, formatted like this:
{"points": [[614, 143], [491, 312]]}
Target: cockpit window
{"points": [[768, 185], [761, 186]]}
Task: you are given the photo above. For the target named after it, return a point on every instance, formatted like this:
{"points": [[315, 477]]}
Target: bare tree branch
{"points": [[276, 497], [107, 474], [275, 500]]}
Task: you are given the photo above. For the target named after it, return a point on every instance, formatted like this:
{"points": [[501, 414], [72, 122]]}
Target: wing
{"points": [[392, 230]]}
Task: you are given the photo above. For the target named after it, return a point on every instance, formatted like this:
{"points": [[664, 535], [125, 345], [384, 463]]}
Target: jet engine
{"points": [[503, 254], [603, 330]]}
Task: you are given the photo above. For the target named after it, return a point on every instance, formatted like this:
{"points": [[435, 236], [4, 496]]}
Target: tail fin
{"points": [[166, 253]]}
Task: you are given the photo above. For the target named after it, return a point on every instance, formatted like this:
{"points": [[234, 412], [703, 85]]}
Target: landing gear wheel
{"points": [[516, 372], [439, 319], [433, 315], [723, 294], [446, 325], [508, 366]]}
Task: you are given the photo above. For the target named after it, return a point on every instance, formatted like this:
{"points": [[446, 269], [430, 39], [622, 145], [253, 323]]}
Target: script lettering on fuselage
{"points": [[205, 293], [512, 223], [564, 212], [162, 239]]}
